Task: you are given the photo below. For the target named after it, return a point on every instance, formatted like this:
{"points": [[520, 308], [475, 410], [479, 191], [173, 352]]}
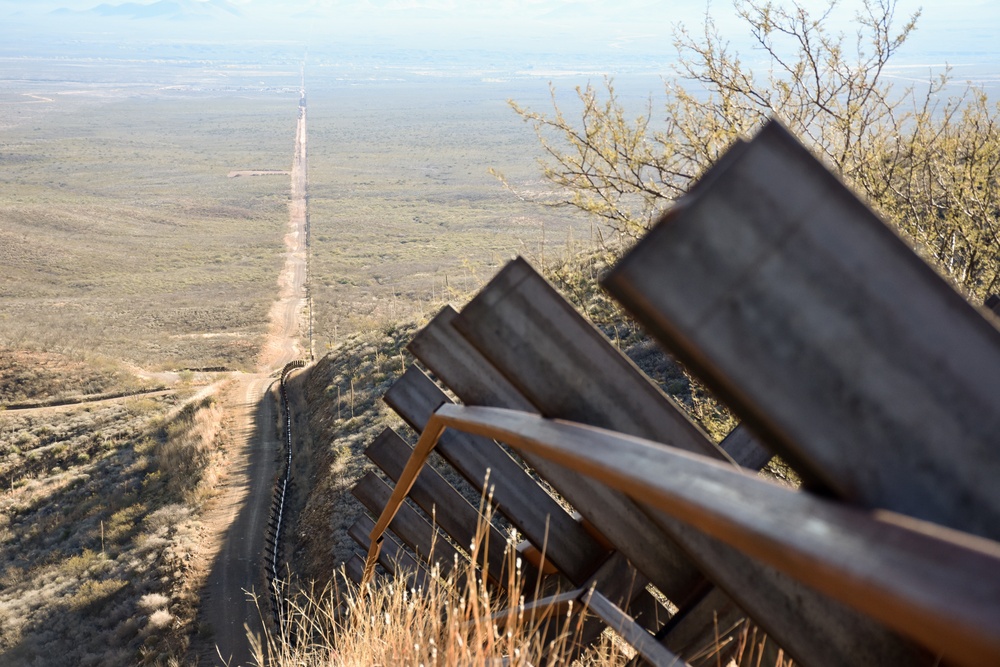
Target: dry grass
{"points": [[391, 623], [33, 376], [99, 530], [450, 622], [121, 234]]}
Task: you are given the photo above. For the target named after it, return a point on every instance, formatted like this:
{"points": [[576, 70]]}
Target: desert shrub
{"points": [[94, 593], [94, 566], [159, 619], [33, 375], [185, 448], [152, 601], [929, 163]]}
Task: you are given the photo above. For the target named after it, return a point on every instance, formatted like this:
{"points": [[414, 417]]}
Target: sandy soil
{"points": [[237, 519], [235, 524]]}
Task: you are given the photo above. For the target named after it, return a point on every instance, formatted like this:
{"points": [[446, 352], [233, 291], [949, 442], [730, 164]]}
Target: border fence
{"points": [[276, 518], [837, 346]]}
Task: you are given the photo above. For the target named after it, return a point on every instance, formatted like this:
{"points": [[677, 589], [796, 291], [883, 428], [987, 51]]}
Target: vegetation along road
{"points": [[238, 522]]}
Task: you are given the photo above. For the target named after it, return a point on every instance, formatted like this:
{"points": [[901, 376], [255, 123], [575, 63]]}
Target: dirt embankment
{"points": [[344, 413]]}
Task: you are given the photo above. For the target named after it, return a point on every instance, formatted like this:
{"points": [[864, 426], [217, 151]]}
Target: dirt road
{"points": [[287, 312], [237, 521]]}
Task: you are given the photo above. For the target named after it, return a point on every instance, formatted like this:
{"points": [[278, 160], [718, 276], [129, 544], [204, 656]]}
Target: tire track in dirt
{"points": [[235, 527]]}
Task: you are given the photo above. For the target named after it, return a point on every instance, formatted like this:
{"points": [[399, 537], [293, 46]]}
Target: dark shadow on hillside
{"points": [[226, 606], [80, 556]]}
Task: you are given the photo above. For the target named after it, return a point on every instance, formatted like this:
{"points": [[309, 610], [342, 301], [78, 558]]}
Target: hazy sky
{"points": [[949, 30]]}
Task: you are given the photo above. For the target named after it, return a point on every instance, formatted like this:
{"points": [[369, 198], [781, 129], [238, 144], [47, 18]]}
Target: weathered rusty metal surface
{"points": [[559, 360], [516, 495], [476, 381], [630, 631], [737, 527], [392, 556], [411, 528], [822, 329], [451, 511], [624, 586], [485, 385]]}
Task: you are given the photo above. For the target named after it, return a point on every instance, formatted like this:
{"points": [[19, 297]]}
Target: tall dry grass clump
{"points": [[185, 450], [460, 619]]}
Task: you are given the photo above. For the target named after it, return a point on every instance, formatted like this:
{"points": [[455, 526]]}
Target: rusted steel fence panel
{"points": [[821, 328], [451, 511], [472, 378], [523, 325], [392, 556], [517, 496], [936, 584], [411, 528], [838, 347], [555, 358], [547, 350]]}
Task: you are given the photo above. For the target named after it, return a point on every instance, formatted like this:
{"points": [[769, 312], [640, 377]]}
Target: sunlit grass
{"points": [[99, 528], [450, 622], [462, 619], [121, 234]]}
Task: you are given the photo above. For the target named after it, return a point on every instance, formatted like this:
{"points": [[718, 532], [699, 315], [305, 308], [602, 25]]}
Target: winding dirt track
{"points": [[237, 521]]}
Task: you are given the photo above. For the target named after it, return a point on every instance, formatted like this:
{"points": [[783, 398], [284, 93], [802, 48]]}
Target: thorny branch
{"points": [[931, 166]]}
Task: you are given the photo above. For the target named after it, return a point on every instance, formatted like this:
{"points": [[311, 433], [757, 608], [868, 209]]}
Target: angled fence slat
{"points": [[809, 625], [475, 380], [821, 328], [630, 631], [553, 356], [568, 370], [463, 369], [934, 583], [540, 610], [411, 528], [392, 556], [451, 511], [516, 495], [620, 583], [685, 633], [556, 357]]}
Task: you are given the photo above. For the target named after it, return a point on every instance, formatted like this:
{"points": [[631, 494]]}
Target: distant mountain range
{"points": [[162, 9]]}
